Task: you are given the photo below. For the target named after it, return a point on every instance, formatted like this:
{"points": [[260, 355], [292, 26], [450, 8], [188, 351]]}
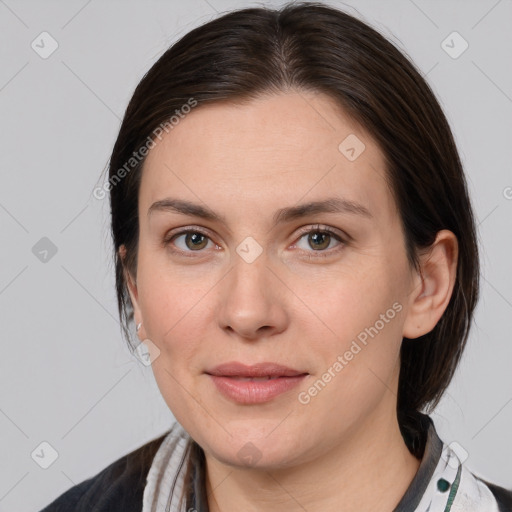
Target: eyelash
{"points": [[314, 229]]}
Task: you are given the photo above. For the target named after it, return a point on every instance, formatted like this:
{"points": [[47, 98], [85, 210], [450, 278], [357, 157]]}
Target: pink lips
{"points": [[256, 383]]}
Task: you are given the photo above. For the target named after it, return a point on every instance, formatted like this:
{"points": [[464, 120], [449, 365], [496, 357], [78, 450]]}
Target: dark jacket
{"points": [[119, 487]]}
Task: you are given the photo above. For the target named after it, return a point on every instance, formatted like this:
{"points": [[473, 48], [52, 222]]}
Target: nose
{"points": [[252, 302]]}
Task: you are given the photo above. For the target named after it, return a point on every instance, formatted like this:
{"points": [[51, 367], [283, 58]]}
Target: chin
{"points": [[250, 456], [256, 451]]}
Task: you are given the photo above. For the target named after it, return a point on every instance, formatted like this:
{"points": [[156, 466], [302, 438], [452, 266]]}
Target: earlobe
{"points": [[131, 285], [432, 289]]}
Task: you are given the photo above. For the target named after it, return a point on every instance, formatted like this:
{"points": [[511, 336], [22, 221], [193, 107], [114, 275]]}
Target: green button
{"points": [[443, 485]]}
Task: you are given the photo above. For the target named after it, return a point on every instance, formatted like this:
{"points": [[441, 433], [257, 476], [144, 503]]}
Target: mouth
{"points": [[253, 379], [254, 384]]}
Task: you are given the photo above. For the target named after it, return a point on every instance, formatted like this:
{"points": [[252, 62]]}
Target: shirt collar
{"points": [[432, 449]]}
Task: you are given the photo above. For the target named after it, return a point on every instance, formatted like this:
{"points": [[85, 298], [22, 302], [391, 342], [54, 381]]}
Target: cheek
{"points": [[172, 308], [345, 303], [361, 316], [173, 318], [357, 367]]}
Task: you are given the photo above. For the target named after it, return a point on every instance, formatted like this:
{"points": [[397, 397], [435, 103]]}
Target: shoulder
{"points": [[502, 495], [120, 486], [477, 494], [448, 483]]}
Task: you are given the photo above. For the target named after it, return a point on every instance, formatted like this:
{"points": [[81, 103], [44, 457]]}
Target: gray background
{"points": [[67, 377]]}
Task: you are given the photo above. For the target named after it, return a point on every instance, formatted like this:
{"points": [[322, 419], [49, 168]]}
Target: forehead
{"points": [[273, 151]]}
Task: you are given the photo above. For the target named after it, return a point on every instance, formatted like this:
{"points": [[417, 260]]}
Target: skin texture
{"points": [[205, 307]]}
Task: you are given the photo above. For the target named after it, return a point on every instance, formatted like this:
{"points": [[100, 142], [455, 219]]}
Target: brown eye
{"points": [[319, 240], [194, 240], [187, 241]]}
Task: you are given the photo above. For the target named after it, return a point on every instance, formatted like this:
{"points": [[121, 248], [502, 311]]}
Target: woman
{"points": [[296, 247]]}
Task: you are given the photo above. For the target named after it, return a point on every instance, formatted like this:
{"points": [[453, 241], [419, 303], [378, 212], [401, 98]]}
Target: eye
{"points": [[320, 239], [189, 240]]}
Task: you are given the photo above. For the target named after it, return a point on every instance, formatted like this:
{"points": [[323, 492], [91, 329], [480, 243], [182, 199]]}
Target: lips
{"points": [[255, 383], [260, 370]]}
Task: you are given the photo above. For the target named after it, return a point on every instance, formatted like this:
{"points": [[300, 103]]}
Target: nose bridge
{"points": [[251, 299], [250, 264], [249, 283]]}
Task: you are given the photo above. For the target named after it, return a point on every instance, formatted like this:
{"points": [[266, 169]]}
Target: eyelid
{"points": [[184, 230], [341, 237], [325, 229]]}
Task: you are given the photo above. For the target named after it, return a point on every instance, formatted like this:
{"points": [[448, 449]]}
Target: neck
{"points": [[370, 470]]}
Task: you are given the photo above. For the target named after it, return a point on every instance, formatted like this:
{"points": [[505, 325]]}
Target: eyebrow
{"points": [[331, 205]]}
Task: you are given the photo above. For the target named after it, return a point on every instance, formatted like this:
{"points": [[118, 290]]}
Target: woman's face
{"points": [[262, 282]]}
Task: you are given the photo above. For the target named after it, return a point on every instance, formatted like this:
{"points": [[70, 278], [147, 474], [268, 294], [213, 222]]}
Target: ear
{"points": [[131, 284], [432, 287]]}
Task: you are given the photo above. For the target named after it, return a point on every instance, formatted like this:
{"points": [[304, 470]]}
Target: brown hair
{"points": [[312, 47]]}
